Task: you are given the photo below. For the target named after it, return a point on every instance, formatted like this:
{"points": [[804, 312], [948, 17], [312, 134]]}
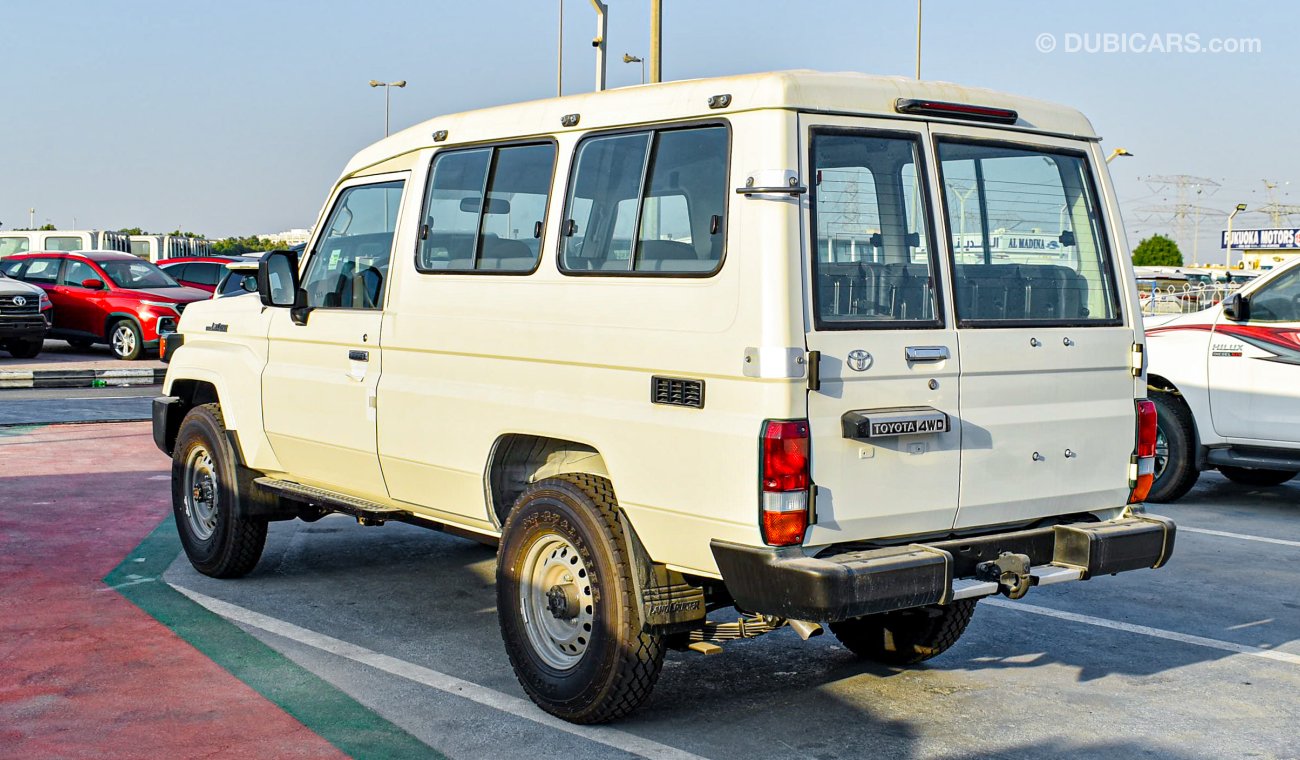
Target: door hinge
{"points": [[814, 370], [1138, 360]]}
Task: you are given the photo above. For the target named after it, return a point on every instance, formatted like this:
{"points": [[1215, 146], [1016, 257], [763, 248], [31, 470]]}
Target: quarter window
{"points": [[1026, 237], [349, 265], [874, 265], [63, 243], [647, 202], [485, 209]]}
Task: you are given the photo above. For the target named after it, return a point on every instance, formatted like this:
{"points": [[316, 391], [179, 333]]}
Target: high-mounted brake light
{"points": [[956, 110], [785, 482], [1142, 467]]}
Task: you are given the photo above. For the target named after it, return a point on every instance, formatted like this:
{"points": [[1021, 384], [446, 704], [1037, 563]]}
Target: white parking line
{"points": [[1159, 633], [1242, 536], [610, 737]]}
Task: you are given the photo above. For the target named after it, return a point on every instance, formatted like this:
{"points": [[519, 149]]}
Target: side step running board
{"points": [[366, 512]]}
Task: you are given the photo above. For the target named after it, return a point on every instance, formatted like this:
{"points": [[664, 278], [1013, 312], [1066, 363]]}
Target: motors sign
{"points": [[1276, 238]]}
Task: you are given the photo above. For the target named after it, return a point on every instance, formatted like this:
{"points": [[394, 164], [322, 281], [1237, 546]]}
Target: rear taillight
{"points": [[785, 481], [1142, 468]]}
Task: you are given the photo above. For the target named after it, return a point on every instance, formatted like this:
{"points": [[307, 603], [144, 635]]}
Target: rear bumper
{"points": [[837, 586]]}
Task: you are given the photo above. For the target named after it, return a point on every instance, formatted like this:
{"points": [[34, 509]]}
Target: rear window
{"points": [[874, 265], [1026, 236], [647, 203], [12, 245]]}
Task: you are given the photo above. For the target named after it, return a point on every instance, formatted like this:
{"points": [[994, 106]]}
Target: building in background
{"points": [[289, 237]]}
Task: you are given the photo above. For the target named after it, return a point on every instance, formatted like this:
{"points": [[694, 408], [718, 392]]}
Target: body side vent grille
{"points": [[677, 391]]}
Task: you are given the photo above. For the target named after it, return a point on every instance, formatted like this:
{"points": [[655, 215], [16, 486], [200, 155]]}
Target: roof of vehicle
{"points": [[92, 255], [845, 92], [204, 259]]}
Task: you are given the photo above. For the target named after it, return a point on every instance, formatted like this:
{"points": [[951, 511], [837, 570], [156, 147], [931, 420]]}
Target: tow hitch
{"points": [[1010, 571]]}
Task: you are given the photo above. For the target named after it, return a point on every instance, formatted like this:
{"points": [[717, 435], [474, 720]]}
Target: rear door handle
{"points": [[359, 356], [927, 353]]}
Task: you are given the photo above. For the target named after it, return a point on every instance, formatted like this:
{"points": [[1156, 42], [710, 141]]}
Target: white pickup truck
{"points": [[1226, 384]]}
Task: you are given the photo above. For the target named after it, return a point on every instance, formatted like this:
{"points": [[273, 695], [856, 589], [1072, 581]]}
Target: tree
{"points": [[132, 231], [232, 246], [47, 228], [1157, 251]]}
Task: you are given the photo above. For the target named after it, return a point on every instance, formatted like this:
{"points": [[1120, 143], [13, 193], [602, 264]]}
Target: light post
{"points": [[388, 86], [629, 58], [1227, 261], [1116, 153]]}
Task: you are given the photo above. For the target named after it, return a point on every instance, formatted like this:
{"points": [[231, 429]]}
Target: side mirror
{"points": [[94, 283], [277, 278], [1237, 308]]}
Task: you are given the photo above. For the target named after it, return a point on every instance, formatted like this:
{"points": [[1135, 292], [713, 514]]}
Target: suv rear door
{"points": [[876, 313], [1047, 412]]}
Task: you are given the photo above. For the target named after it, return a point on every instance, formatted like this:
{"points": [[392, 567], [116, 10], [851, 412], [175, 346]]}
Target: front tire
{"points": [[125, 340], [1249, 476], [1176, 470], [210, 495], [906, 637], [24, 349], [567, 605]]}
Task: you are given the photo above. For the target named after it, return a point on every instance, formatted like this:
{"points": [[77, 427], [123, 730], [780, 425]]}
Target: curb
{"points": [[79, 378]]}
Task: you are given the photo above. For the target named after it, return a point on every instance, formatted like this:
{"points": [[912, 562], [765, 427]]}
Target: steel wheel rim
{"points": [[1162, 452], [552, 562], [201, 493], [123, 340]]}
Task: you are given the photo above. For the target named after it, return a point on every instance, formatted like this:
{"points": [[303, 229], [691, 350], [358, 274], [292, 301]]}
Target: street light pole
{"points": [[629, 58], [1227, 261], [602, 31], [559, 55], [387, 88], [918, 39]]}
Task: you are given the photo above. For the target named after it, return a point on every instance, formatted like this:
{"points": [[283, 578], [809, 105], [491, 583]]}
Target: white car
{"points": [[695, 346], [1226, 383]]}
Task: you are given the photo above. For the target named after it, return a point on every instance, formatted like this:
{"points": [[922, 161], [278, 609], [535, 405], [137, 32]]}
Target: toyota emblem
{"points": [[859, 360], [20, 301]]}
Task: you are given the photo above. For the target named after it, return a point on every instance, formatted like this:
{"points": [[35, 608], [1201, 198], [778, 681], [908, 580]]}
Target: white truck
{"points": [[690, 347], [1226, 383]]}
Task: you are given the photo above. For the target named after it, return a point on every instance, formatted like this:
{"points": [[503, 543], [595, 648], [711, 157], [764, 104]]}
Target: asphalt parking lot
{"points": [[1200, 659]]}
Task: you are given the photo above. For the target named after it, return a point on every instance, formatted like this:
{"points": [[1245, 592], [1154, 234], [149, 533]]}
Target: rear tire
{"points": [[210, 495], [24, 349], [1176, 440], [567, 606], [906, 637], [125, 340], [1249, 476]]}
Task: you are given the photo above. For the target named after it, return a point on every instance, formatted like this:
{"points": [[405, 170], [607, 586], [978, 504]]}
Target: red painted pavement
{"points": [[83, 672]]}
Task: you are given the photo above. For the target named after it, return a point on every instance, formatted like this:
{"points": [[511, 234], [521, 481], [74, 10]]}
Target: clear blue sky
{"points": [[234, 117]]}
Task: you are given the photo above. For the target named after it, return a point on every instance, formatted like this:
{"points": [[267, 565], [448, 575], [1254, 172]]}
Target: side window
{"points": [[141, 248], [649, 202], [77, 272], [63, 243], [485, 209], [203, 273], [349, 265], [41, 271], [1279, 300], [11, 268], [12, 245]]}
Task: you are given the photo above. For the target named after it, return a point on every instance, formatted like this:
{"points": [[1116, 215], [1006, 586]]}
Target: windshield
{"points": [[137, 275], [1026, 236]]}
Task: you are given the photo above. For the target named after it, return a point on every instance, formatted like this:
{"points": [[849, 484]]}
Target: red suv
{"points": [[202, 272], [105, 297]]}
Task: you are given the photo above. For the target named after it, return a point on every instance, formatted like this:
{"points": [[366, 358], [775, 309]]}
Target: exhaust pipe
{"points": [[805, 629]]}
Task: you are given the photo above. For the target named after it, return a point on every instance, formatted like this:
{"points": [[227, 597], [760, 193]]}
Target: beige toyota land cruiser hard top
{"points": [[828, 349]]}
